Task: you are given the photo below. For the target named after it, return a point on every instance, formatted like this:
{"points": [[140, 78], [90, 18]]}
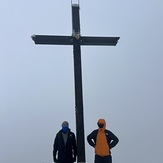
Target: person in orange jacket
{"points": [[103, 141]]}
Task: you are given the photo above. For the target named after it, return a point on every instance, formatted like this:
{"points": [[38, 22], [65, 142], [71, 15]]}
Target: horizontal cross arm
{"points": [[52, 40], [100, 41]]}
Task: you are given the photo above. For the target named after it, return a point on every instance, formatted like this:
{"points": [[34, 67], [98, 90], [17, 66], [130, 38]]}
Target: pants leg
{"points": [[108, 159], [105, 159], [97, 159]]}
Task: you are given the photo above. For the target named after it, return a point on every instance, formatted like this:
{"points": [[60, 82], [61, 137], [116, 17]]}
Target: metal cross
{"points": [[77, 40]]}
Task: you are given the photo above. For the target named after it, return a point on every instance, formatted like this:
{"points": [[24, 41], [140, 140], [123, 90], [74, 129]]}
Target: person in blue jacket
{"points": [[64, 148]]}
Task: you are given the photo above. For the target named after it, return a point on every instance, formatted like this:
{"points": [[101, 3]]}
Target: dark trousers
{"points": [[64, 161], [105, 159]]}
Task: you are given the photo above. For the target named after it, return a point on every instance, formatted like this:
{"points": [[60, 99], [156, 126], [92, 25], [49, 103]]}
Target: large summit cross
{"points": [[76, 40]]}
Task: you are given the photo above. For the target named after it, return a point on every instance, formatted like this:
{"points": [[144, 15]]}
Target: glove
{"points": [[74, 159], [54, 159]]}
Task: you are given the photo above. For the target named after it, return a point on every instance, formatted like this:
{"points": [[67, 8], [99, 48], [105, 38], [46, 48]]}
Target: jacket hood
{"points": [[103, 122]]}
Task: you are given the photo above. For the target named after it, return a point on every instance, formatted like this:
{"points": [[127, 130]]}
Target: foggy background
{"points": [[121, 84]]}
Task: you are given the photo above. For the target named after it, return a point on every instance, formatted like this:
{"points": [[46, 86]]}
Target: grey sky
{"points": [[122, 84]]}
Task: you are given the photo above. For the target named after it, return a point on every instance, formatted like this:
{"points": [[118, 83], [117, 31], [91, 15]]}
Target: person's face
{"points": [[100, 125]]}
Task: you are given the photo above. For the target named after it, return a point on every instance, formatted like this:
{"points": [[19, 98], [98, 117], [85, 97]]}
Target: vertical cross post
{"points": [[78, 84]]}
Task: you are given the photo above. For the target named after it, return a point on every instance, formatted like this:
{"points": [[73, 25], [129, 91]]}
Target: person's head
{"points": [[101, 124], [65, 126]]}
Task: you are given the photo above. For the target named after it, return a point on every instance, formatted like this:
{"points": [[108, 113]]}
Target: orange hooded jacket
{"points": [[102, 147]]}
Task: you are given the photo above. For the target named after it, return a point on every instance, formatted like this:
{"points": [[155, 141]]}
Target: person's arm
{"points": [[55, 148], [91, 140], [74, 148], [114, 140]]}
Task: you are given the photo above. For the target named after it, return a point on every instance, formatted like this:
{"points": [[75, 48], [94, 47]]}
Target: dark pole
{"points": [[78, 85], [79, 104]]}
